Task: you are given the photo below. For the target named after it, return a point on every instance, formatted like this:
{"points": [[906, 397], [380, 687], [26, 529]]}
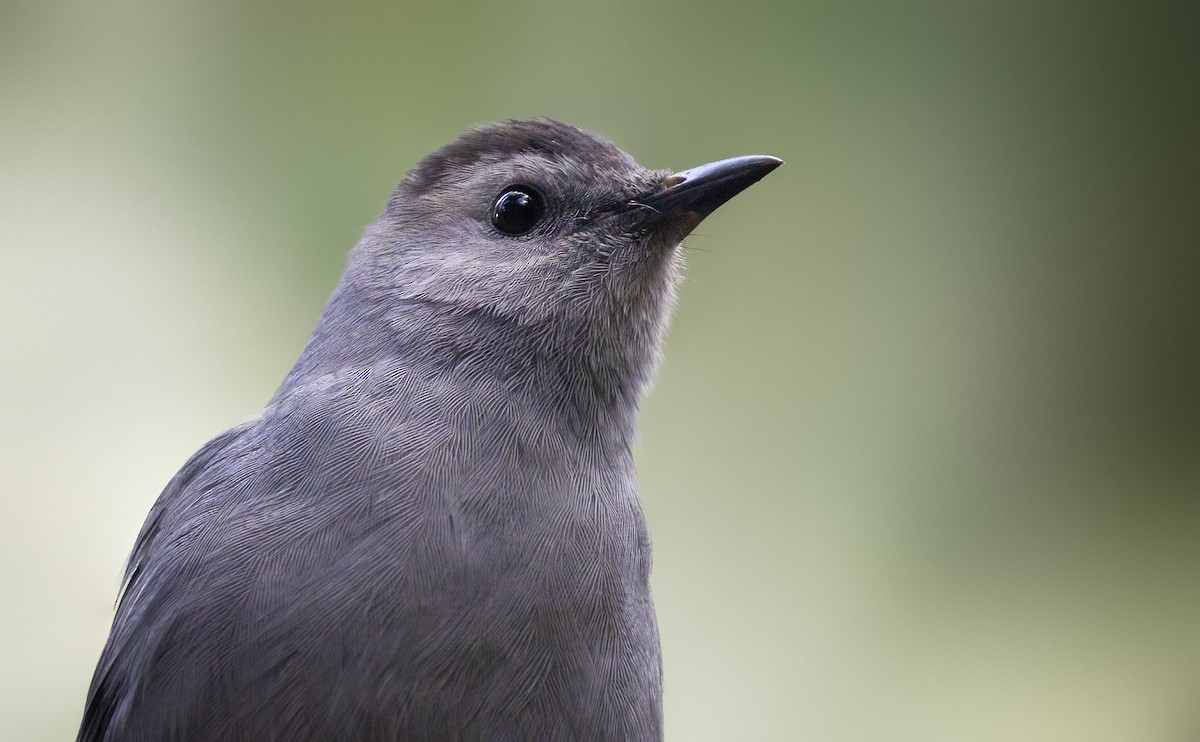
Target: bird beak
{"points": [[693, 194]]}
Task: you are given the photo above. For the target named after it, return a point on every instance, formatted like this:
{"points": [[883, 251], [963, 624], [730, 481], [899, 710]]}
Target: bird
{"points": [[433, 529]]}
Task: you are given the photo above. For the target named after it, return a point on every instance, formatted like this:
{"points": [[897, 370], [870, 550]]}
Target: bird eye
{"points": [[517, 210]]}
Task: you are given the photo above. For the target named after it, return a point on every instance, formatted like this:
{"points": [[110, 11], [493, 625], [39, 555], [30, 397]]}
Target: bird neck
{"points": [[587, 385]]}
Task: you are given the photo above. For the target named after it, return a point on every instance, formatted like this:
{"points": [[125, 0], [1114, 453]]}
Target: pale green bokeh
{"points": [[922, 461]]}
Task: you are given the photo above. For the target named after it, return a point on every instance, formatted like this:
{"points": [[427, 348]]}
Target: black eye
{"points": [[517, 210]]}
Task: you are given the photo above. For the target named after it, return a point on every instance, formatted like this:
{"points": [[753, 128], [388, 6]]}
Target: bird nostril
{"points": [[674, 180]]}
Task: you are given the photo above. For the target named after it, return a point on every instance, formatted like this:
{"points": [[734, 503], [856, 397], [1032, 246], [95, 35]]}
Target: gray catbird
{"points": [[433, 530]]}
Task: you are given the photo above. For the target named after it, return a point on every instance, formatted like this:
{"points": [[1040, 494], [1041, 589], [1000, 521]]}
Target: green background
{"points": [[922, 462]]}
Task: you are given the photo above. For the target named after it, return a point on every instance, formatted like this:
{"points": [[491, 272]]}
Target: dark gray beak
{"points": [[694, 194]]}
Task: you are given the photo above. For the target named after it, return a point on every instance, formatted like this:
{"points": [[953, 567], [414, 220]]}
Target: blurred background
{"points": [[922, 462]]}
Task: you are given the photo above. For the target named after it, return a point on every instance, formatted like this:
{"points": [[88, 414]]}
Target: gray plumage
{"points": [[433, 530]]}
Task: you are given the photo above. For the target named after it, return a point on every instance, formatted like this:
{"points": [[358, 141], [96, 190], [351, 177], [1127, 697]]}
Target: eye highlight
{"points": [[517, 210]]}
